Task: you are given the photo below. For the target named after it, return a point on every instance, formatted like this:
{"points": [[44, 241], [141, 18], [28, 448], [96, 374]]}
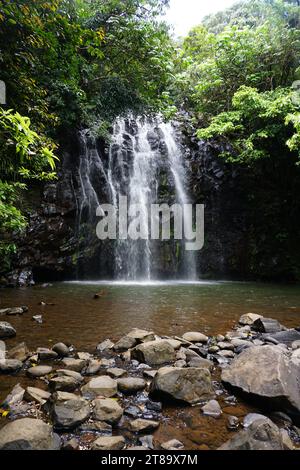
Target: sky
{"points": [[184, 14]]}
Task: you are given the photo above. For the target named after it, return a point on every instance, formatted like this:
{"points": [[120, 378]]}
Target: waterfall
{"points": [[144, 163]]}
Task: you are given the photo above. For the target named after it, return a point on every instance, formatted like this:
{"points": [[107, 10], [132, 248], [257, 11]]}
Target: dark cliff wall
{"points": [[251, 221]]}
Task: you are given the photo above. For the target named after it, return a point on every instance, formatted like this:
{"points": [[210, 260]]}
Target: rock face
{"points": [[109, 443], [106, 409], [6, 330], [28, 434], [104, 385], [267, 373], [190, 385], [262, 434], [69, 414], [154, 352]]}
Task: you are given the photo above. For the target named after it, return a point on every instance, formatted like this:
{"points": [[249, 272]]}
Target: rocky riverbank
{"points": [[116, 396]]}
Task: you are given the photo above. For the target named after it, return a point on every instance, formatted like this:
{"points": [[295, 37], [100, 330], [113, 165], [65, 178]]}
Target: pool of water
{"points": [[74, 316]]}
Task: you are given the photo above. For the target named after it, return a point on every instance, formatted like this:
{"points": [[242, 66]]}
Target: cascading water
{"points": [[145, 164]]}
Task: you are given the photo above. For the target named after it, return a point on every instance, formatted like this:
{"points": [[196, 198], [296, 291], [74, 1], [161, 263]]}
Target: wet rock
{"points": [[154, 406], [28, 434], [105, 345], [267, 325], [154, 352], [131, 385], [147, 441], [226, 345], [282, 417], [107, 409], [133, 411], [93, 367], [148, 373], [6, 330], [69, 373], [69, 414], [262, 434], [15, 397], [116, 373], [9, 366], [267, 373], [19, 352], [233, 423], [190, 385], [39, 371], [251, 417], [13, 311], [212, 408], [104, 385], [45, 354], [143, 425], [38, 319], [141, 336], [96, 426], [74, 364], [63, 384], [72, 444], [37, 395], [249, 318], [64, 396], [124, 344], [226, 353], [286, 337], [109, 443], [173, 444], [195, 337], [61, 349], [200, 362]]}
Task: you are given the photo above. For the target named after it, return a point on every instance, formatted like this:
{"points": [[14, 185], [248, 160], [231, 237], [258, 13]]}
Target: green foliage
{"points": [[259, 125]]}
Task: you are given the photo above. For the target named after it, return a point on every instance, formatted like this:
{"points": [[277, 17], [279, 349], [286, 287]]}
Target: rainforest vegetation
{"points": [[74, 63]]}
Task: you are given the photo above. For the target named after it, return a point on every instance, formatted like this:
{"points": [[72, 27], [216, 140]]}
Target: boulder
{"points": [[131, 384], [262, 434], [199, 362], [61, 349], [124, 344], [63, 396], [93, 367], [63, 384], [69, 373], [195, 337], [143, 425], [267, 325], [141, 336], [28, 434], [267, 373], [154, 352], [74, 364], [39, 371], [286, 337], [37, 395], [9, 366], [105, 345], [212, 408], [45, 354], [103, 385], [19, 352], [68, 414], [107, 409], [226, 345], [6, 330], [109, 443], [249, 318], [116, 373], [190, 385]]}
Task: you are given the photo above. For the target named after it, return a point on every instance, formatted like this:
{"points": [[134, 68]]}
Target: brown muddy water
{"points": [[73, 316]]}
